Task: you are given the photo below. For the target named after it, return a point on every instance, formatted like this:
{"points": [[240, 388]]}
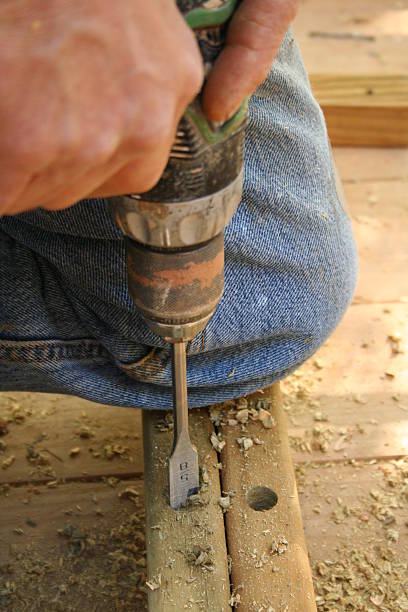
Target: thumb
{"points": [[253, 40]]}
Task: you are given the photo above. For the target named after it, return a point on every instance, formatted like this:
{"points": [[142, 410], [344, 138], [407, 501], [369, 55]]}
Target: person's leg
{"points": [[68, 325]]}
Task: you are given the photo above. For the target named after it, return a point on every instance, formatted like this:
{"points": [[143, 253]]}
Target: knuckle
{"points": [[193, 76], [141, 175], [96, 148], [152, 125]]}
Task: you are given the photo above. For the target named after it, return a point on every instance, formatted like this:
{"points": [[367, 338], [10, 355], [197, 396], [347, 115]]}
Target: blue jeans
{"points": [[67, 324]]}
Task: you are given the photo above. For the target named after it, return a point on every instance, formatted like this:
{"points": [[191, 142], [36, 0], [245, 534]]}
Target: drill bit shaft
{"points": [[183, 460]]}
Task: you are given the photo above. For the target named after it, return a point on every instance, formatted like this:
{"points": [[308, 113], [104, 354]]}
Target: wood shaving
{"points": [[217, 442], [242, 415], [8, 462], [360, 577], [225, 503], [201, 556], [279, 546], [245, 443]]}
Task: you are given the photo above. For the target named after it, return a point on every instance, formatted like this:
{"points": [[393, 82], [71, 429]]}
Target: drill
{"points": [[174, 234]]}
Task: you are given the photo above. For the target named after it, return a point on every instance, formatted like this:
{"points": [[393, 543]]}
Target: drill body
{"points": [[174, 232]]}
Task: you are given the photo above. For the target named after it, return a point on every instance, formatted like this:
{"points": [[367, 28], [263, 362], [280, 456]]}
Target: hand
{"points": [[90, 97], [253, 40]]}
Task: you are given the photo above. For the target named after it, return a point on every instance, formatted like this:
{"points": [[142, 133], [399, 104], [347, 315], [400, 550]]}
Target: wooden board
{"points": [[361, 91], [357, 165], [357, 36], [356, 53], [340, 497], [347, 381], [79, 546], [379, 212], [177, 540], [355, 525], [52, 425], [269, 563], [363, 110]]}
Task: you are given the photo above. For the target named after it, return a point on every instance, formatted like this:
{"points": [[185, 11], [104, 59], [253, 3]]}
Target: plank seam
{"points": [[217, 430], [74, 479]]}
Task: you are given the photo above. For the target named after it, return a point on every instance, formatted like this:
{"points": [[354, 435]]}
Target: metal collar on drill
{"points": [[178, 224]]}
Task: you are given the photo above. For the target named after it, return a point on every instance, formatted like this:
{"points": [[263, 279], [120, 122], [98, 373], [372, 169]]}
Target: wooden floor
{"points": [[71, 500]]}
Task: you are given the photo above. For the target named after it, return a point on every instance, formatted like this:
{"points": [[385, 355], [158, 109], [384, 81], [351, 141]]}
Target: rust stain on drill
{"points": [[154, 209], [204, 272]]}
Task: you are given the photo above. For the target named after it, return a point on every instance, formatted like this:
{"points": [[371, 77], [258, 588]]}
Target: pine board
{"points": [[100, 567], [375, 36], [269, 564], [379, 213], [366, 409], [176, 539], [54, 423], [358, 165]]}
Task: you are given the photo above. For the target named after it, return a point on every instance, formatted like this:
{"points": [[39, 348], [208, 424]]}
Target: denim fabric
{"points": [[67, 323]]}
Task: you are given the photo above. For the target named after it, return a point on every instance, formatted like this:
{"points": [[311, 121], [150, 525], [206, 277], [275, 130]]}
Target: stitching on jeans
{"points": [[28, 351]]}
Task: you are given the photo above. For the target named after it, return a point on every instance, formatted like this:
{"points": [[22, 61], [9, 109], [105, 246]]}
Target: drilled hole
{"points": [[261, 498]]}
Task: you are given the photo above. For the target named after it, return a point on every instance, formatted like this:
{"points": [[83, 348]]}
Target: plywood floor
{"points": [[71, 500]]}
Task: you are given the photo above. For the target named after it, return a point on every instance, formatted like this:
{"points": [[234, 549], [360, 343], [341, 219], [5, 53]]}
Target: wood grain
{"points": [[361, 165], [347, 383], [357, 21], [270, 566], [52, 425], [174, 538], [99, 567], [363, 110]]}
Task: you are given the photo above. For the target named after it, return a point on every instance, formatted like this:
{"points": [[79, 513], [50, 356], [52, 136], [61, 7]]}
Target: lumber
{"points": [[348, 501], [43, 429], [78, 546], [379, 214], [364, 110], [363, 165], [269, 561], [349, 401], [186, 550], [358, 36]]}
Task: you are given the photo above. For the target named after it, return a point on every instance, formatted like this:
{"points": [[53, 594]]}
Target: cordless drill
{"points": [[174, 233]]}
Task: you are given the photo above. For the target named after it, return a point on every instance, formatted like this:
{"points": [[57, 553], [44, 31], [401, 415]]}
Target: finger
{"points": [[139, 173], [12, 186], [130, 169], [135, 177], [253, 40], [123, 182]]}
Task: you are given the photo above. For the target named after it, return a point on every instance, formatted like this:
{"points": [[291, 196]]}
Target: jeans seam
{"points": [[31, 351]]}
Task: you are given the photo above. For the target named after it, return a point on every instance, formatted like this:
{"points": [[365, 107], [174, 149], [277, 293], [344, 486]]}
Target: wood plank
{"points": [[347, 383], [44, 428], [363, 110], [356, 55], [269, 568], [353, 515], [375, 36], [379, 212], [79, 546], [357, 164], [186, 549], [362, 91], [349, 125]]}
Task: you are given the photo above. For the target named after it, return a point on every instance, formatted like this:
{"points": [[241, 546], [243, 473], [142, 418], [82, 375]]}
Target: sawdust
{"points": [[367, 568], [6, 463], [369, 578], [201, 556], [87, 566]]}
